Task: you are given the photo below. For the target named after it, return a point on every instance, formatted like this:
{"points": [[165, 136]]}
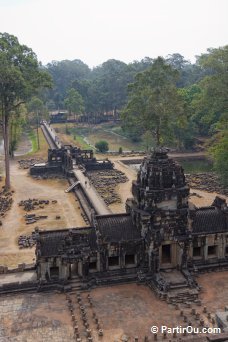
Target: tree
{"points": [[36, 106], [20, 77], [154, 102], [147, 140], [219, 149], [212, 101], [112, 78], [102, 146], [74, 102], [64, 73], [189, 73], [17, 122], [187, 129]]}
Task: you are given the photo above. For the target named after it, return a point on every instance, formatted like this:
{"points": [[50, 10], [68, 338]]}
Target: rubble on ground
{"points": [[6, 201], [49, 176], [207, 181], [105, 182], [26, 241], [27, 163], [33, 203], [32, 218]]}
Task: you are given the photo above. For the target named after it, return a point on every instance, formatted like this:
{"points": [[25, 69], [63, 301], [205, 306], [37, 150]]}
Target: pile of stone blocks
{"points": [[26, 241], [31, 204]]}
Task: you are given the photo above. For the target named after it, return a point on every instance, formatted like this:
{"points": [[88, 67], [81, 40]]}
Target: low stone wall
{"points": [[18, 287], [20, 268], [131, 161], [127, 153], [46, 169]]}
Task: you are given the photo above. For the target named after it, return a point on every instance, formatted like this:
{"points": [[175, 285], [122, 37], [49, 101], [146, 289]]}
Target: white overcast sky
{"points": [[97, 30]]}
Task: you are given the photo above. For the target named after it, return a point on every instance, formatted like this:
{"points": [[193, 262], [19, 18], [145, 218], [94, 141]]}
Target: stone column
{"points": [[85, 268], [80, 268], [64, 271], [122, 257], [98, 262], [44, 271], [205, 254], [103, 261]]}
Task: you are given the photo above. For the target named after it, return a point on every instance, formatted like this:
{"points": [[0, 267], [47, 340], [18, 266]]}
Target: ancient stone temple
{"points": [[161, 239], [159, 209]]}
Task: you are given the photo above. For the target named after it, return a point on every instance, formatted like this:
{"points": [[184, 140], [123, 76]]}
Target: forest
{"points": [[167, 101]]}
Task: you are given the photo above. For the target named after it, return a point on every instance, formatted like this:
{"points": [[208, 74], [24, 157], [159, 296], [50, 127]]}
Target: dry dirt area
{"points": [[123, 189], [35, 318], [14, 224], [66, 207], [122, 311], [214, 290]]}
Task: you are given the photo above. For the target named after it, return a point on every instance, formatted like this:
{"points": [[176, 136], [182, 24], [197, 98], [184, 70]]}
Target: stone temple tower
{"points": [[159, 209]]}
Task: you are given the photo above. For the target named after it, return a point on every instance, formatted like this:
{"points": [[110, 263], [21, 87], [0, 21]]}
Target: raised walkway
{"points": [[92, 199], [96, 201], [17, 277]]}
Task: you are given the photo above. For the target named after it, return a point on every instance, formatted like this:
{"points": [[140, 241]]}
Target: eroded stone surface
{"points": [[123, 310]]}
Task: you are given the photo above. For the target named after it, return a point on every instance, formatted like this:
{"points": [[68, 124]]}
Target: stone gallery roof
{"points": [[118, 227], [209, 220], [52, 243], [112, 228]]}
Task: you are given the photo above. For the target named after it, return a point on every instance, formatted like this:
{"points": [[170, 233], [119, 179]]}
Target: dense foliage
{"points": [[162, 101], [20, 77], [169, 101], [102, 146], [154, 102]]}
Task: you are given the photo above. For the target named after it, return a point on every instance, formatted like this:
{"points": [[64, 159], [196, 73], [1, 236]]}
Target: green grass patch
{"points": [[113, 135], [79, 141]]}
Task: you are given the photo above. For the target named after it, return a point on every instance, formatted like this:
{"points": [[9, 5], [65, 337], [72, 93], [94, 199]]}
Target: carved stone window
{"points": [[129, 259], [54, 272], [113, 261], [212, 251], [93, 265], [196, 252]]}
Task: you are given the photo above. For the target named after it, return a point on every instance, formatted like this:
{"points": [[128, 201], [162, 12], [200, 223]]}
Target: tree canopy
{"points": [[154, 102], [64, 73], [74, 102], [102, 146], [20, 77]]}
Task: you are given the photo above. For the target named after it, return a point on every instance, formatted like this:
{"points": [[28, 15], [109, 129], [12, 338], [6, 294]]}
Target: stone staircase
{"points": [[182, 296], [117, 277], [172, 286], [75, 284]]}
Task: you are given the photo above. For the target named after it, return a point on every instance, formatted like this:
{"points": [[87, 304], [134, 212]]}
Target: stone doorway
{"points": [[54, 273], [74, 269], [166, 257]]}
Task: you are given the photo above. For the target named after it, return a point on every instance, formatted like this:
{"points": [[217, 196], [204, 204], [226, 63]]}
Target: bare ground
{"points": [[25, 187], [128, 310], [14, 223]]}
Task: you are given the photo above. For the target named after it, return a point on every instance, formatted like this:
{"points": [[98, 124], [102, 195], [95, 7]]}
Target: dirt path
{"points": [[24, 146], [14, 224], [123, 189]]}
